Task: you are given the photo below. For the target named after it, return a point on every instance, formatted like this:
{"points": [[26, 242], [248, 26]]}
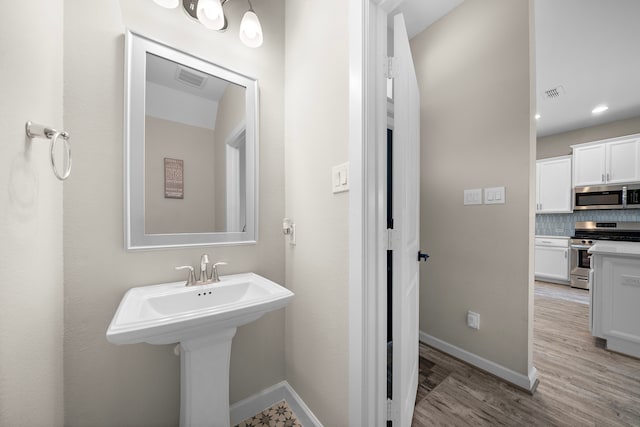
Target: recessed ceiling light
{"points": [[599, 109], [538, 116]]}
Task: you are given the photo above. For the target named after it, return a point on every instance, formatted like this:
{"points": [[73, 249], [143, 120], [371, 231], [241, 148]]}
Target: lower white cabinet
{"points": [[615, 296], [552, 259]]}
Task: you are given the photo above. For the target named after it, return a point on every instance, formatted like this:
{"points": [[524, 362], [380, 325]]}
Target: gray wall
{"points": [[316, 105], [109, 385], [474, 71], [231, 112], [31, 289], [559, 144], [195, 146]]}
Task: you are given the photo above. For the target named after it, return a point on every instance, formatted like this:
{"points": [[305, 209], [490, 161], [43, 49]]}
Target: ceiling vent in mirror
{"points": [[553, 93], [190, 77]]}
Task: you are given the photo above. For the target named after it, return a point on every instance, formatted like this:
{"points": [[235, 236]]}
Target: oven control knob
{"points": [[590, 242], [584, 242]]}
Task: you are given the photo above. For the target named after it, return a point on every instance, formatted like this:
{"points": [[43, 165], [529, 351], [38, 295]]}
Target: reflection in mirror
{"points": [[194, 143], [190, 150]]}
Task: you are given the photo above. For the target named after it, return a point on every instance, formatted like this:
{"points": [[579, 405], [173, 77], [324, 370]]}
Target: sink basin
{"points": [[203, 319], [173, 312]]}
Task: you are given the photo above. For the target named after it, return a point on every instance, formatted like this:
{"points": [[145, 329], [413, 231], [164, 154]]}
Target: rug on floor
{"points": [[279, 415]]}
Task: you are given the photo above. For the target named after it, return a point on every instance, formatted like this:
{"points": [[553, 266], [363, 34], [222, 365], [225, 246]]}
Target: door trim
{"points": [[367, 213]]}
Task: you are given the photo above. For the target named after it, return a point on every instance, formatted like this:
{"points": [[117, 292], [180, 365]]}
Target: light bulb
{"points": [[169, 4], [251, 30], [210, 14], [599, 109]]}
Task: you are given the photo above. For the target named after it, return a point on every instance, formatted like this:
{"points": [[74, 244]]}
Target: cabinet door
{"points": [[622, 161], [552, 263], [537, 187], [589, 165], [554, 186]]}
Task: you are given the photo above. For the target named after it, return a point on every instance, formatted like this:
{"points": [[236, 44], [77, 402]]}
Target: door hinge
{"points": [[389, 238], [391, 410], [390, 67]]}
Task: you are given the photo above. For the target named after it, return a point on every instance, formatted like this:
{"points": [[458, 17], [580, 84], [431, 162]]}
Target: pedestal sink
{"points": [[203, 319]]}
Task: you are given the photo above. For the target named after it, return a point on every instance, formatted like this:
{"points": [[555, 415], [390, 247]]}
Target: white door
{"points": [[406, 205]]}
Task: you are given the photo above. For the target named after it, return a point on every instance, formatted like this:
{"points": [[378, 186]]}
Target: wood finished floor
{"points": [[581, 384]]}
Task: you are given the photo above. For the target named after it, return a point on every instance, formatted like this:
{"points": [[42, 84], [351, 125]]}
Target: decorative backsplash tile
{"points": [[563, 224]]}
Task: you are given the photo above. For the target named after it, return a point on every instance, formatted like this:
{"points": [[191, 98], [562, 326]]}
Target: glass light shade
{"points": [[210, 14], [251, 30], [169, 4]]}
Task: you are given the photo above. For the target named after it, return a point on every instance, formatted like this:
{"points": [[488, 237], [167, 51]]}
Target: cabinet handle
{"points": [[607, 176], [602, 177], [565, 254]]}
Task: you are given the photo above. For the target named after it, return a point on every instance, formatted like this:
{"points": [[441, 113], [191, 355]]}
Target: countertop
{"points": [[539, 236], [630, 249]]}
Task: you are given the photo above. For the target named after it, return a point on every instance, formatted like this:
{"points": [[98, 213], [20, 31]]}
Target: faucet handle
{"points": [[214, 272], [191, 279]]}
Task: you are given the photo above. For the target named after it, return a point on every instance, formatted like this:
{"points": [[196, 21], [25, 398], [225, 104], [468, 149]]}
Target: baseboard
{"points": [[250, 406], [528, 383]]}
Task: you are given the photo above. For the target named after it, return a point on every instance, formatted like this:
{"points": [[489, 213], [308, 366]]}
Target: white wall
{"points": [[316, 131], [138, 385], [31, 384], [474, 71]]}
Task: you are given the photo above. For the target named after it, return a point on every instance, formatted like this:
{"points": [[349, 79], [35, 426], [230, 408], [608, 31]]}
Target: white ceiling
{"points": [[589, 47], [592, 49], [420, 14]]}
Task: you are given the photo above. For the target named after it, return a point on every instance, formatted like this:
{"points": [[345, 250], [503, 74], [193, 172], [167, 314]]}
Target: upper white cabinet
{"points": [[589, 165], [553, 185], [612, 161]]}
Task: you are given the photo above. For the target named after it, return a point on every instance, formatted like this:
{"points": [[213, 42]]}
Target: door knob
{"points": [[422, 257]]}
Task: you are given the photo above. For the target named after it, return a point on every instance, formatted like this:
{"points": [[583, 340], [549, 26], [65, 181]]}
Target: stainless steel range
{"points": [[587, 233]]}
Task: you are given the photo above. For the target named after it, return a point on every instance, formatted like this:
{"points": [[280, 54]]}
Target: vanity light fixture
{"points": [[210, 13], [600, 109]]}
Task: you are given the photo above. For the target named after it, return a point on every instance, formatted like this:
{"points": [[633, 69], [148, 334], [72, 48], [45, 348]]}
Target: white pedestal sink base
{"points": [[204, 380]]}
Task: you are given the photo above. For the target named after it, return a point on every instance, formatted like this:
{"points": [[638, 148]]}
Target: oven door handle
{"points": [[580, 247]]}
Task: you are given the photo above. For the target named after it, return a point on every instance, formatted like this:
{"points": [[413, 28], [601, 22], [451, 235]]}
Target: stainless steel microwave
{"points": [[607, 197]]}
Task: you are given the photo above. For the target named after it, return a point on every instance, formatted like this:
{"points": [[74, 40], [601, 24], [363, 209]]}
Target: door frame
{"points": [[367, 211]]}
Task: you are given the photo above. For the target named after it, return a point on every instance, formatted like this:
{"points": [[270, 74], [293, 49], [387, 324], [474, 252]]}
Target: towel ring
{"points": [[67, 145], [34, 130]]}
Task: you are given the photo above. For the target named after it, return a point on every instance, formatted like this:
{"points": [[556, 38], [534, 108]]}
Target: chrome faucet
{"points": [[205, 278], [204, 261]]}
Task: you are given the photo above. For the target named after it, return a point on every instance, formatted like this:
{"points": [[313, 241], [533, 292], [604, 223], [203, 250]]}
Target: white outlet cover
{"points": [[473, 320]]}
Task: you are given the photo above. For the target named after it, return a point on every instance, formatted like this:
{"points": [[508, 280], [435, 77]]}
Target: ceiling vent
{"points": [[190, 77], [553, 93]]}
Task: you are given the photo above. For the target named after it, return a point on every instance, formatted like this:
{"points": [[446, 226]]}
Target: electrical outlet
{"points": [[473, 320]]}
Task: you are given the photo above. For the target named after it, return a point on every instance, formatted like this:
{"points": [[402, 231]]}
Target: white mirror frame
{"points": [[136, 49]]}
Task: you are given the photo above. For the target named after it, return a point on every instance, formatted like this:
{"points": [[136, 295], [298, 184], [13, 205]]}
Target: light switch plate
{"points": [[340, 178], [494, 196], [473, 196]]}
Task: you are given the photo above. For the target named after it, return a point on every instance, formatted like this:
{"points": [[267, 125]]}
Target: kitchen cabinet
{"points": [[615, 295], [552, 259], [612, 161], [553, 185]]}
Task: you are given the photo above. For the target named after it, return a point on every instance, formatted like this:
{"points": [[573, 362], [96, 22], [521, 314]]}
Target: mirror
{"points": [[190, 150]]}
